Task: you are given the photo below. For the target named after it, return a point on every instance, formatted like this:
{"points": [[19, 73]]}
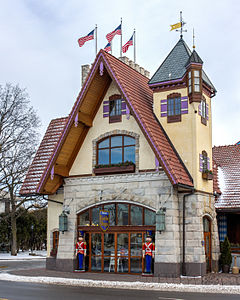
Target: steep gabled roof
{"points": [[139, 98], [174, 66], [227, 160], [43, 156], [194, 58]]}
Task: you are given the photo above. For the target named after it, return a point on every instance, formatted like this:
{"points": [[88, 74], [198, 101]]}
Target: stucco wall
{"points": [[54, 210], [83, 161], [190, 137]]}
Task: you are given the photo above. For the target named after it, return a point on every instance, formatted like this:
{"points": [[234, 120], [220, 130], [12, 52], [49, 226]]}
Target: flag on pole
{"points": [[112, 34], [86, 38], [176, 26], [126, 46], [107, 48]]}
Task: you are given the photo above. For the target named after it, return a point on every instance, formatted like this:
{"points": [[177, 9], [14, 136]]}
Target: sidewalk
{"points": [[209, 279], [211, 283], [24, 256]]}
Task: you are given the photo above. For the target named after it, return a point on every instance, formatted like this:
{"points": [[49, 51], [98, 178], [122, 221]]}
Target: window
{"points": [[121, 214], [174, 108], [55, 239], [204, 161], [189, 82], [196, 81], [115, 109], [116, 149], [204, 112]]}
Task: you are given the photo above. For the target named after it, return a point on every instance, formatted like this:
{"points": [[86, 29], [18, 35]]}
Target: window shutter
{"points": [[123, 107], [207, 111], [106, 108], [200, 109], [200, 162], [184, 105], [208, 163], [164, 108]]}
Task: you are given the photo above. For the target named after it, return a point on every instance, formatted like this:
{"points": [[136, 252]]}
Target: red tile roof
{"points": [[134, 87], [43, 156], [227, 161]]}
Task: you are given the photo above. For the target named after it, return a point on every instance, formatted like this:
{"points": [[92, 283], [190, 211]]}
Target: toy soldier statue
{"points": [[148, 253], [81, 251]]}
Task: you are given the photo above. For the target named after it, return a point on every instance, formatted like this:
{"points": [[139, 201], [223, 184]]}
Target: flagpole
{"points": [[134, 59], [111, 46], [96, 38], [121, 40]]}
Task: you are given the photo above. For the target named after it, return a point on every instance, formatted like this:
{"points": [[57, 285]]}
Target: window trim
{"points": [[115, 147]]}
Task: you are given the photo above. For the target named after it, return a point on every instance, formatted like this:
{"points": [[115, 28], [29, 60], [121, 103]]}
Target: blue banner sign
{"points": [[104, 219]]}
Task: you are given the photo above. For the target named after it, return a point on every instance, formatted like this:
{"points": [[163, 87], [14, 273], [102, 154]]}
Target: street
{"points": [[9, 265], [24, 291]]}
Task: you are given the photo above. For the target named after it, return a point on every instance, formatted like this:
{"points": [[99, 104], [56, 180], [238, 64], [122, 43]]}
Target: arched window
{"points": [[116, 150]]}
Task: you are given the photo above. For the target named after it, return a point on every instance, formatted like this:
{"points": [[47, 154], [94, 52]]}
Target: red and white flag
{"points": [[127, 45], [86, 38], [107, 48], [112, 34]]}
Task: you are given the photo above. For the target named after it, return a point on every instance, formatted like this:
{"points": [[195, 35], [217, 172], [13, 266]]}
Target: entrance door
{"points": [[119, 252], [207, 242]]}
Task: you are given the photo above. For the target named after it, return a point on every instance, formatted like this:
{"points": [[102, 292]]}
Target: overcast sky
{"points": [[39, 50]]}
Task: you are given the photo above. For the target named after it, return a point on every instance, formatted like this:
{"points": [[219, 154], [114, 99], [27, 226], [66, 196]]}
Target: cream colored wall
{"points": [[54, 210], [83, 161], [190, 137]]}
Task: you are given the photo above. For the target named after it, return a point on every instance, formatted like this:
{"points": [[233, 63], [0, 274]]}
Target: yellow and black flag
{"points": [[176, 26]]}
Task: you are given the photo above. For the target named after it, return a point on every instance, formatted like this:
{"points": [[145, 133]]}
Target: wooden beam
{"points": [[85, 119], [61, 170]]}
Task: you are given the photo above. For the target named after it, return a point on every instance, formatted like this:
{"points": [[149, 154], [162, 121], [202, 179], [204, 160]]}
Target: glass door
{"points": [[136, 240], [96, 252], [122, 253], [109, 252]]}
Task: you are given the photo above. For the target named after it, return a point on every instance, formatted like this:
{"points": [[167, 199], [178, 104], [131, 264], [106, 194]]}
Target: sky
{"points": [[39, 49]]}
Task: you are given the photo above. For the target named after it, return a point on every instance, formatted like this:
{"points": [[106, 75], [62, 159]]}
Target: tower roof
{"points": [[174, 66]]}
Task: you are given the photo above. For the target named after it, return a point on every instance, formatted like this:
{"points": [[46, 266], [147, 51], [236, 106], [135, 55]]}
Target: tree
{"points": [[226, 256], [19, 125]]}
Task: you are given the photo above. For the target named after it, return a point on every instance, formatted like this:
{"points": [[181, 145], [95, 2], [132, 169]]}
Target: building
{"points": [[227, 188], [135, 148]]}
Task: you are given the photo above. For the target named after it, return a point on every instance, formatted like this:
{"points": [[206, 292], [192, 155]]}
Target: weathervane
{"points": [[179, 25]]}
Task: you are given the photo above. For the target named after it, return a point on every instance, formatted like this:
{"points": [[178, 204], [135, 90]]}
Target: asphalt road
{"points": [[25, 291], [8, 265]]}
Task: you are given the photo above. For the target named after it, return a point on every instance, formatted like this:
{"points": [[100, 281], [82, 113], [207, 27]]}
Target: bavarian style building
{"points": [[140, 150]]}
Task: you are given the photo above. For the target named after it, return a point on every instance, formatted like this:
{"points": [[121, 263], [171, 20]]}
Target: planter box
{"points": [[207, 176], [114, 170]]}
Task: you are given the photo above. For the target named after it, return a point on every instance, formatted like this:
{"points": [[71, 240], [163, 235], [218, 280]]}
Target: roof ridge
{"points": [[124, 63]]}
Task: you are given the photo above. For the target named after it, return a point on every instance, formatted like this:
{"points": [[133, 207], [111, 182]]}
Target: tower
{"points": [[182, 95]]}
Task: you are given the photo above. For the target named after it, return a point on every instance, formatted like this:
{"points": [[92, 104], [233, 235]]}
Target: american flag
{"points": [[107, 47], [86, 38], [126, 46], [112, 34]]}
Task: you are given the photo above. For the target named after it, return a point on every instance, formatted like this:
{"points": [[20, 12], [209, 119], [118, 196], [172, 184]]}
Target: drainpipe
{"points": [[184, 219]]}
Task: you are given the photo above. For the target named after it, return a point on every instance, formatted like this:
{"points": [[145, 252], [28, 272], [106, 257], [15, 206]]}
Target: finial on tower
{"points": [[179, 25]]}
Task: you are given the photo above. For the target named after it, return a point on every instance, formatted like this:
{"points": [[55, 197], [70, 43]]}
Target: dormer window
{"points": [[196, 81]]}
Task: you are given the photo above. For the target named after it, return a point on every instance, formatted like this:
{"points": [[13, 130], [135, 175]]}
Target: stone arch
{"points": [[116, 132]]}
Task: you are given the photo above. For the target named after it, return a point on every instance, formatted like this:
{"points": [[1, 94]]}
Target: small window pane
{"points": [[112, 213], [129, 140], [122, 214], [196, 88], [129, 154], [95, 215], [196, 80], [177, 106], [196, 73], [150, 217], [136, 215], [104, 144], [189, 74], [190, 89], [116, 141], [103, 157], [84, 218], [116, 155]]}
